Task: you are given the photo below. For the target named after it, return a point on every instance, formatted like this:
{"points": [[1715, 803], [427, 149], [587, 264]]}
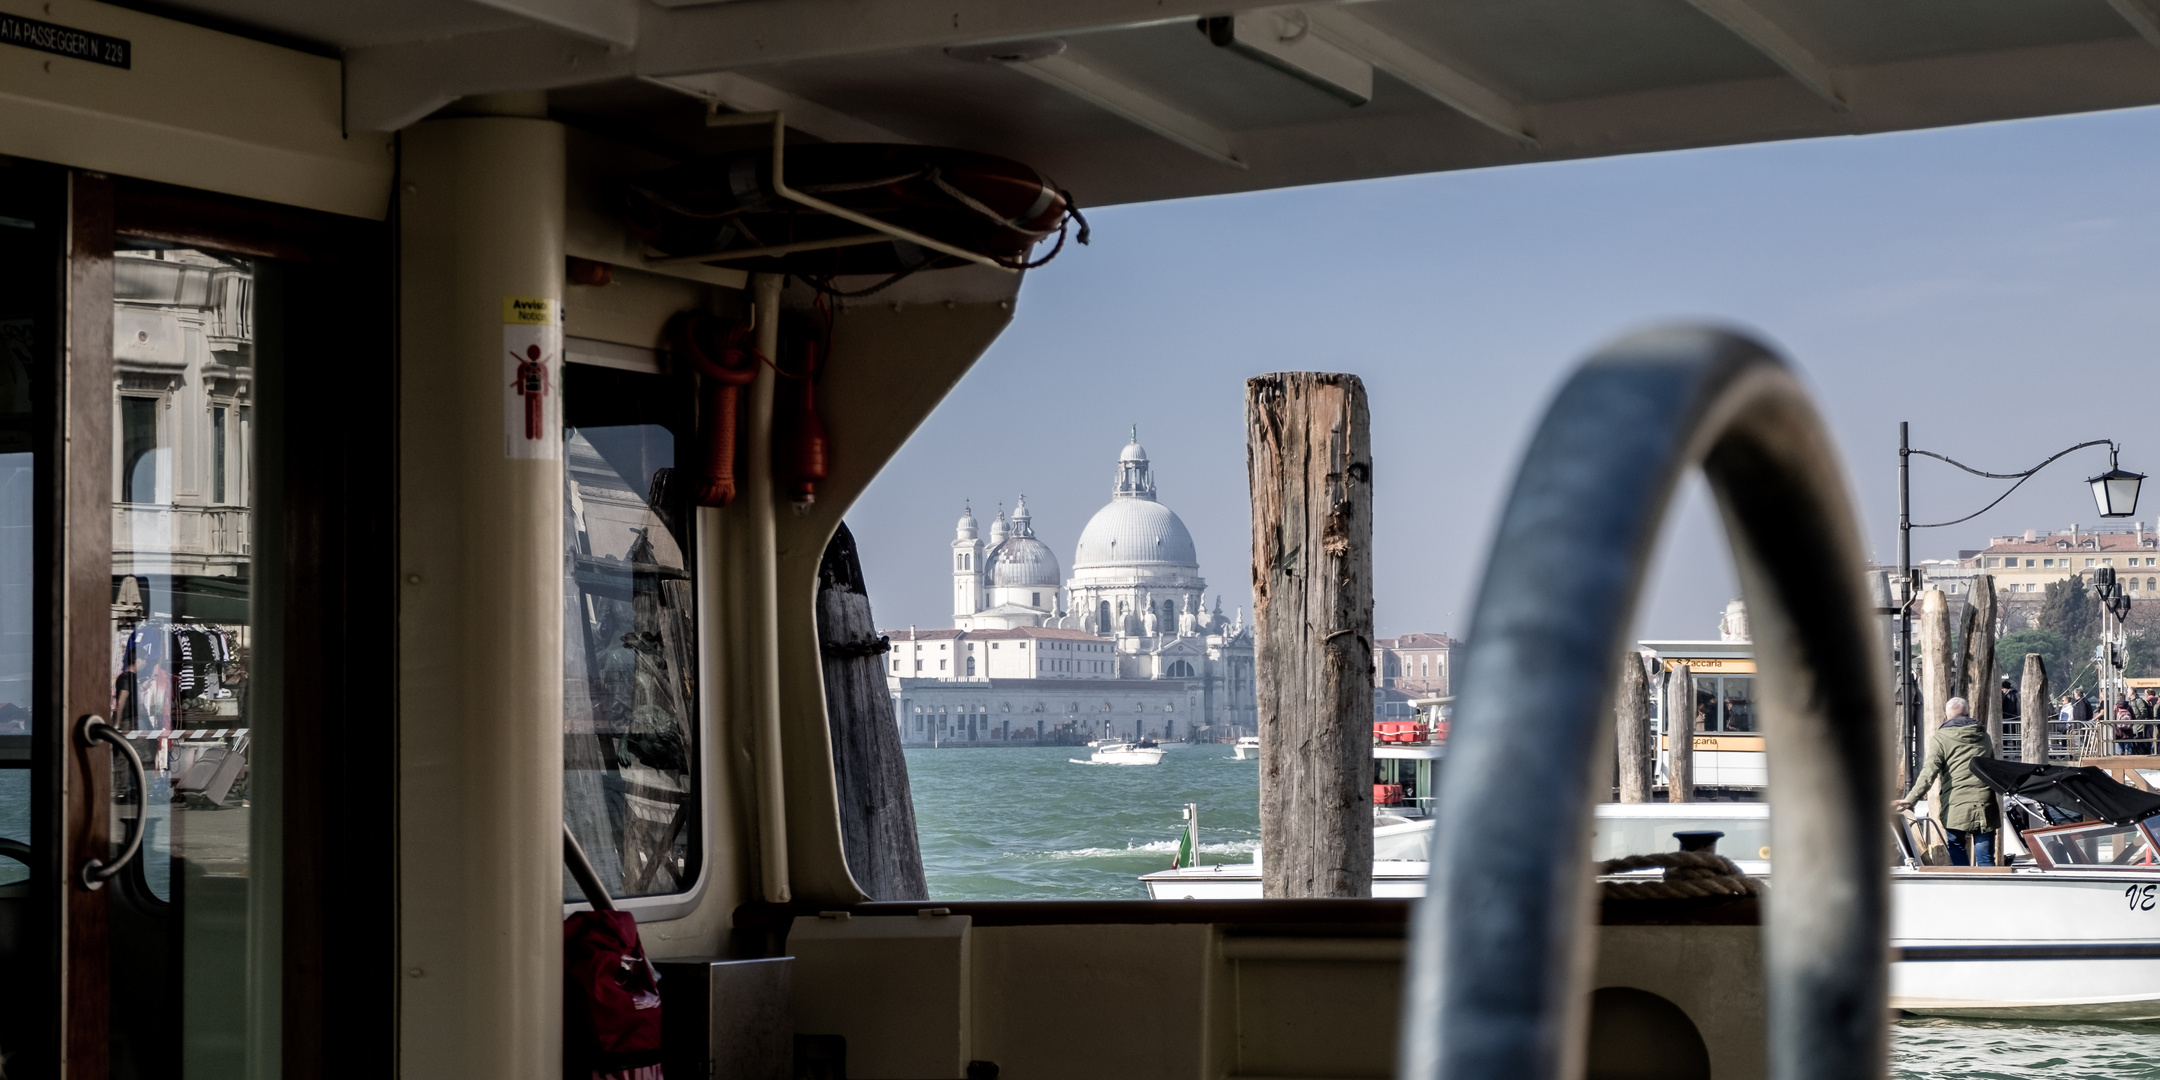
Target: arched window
{"points": [[971, 665], [1102, 617], [1179, 669]]}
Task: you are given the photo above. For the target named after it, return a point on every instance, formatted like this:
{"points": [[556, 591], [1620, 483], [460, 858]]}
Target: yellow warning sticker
{"points": [[528, 311]]}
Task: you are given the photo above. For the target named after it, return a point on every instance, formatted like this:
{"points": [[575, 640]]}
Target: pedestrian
{"points": [[2010, 706], [1969, 816], [2125, 728]]}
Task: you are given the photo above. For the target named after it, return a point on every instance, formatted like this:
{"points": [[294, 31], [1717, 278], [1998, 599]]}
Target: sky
{"points": [[1996, 285]]}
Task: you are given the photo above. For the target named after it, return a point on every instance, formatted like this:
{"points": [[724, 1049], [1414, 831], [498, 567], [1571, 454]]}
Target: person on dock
{"points": [[1968, 806]]}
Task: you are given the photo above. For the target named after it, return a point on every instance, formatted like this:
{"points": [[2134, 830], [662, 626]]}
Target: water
{"points": [[1025, 824], [1929, 1049]]}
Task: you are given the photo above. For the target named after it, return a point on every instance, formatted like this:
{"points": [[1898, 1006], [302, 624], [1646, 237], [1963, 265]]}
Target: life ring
{"points": [[977, 202]]}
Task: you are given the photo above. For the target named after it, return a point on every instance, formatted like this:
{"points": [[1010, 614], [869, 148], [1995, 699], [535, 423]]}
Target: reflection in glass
{"points": [[629, 661], [183, 642]]}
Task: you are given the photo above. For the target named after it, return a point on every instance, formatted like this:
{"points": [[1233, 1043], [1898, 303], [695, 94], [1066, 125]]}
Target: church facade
{"points": [[1130, 626]]}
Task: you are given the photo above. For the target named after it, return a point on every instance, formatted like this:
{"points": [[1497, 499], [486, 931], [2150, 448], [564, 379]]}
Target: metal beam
{"points": [[2141, 16], [1770, 39], [390, 86], [748, 95], [1435, 78], [1154, 114], [613, 23]]}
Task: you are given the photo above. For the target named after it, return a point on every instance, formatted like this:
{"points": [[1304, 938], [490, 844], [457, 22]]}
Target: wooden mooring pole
{"points": [[1308, 457], [1983, 690], [877, 812], [1631, 730], [2036, 709], [1935, 676], [1679, 710]]}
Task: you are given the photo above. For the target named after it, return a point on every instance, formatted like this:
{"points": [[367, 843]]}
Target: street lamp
{"points": [[2115, 491]]}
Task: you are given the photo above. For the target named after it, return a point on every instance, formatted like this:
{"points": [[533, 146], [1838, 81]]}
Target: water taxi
{"points": [[1143, 752]]}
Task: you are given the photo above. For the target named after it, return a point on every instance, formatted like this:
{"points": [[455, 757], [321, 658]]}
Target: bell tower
{"points": [[967, 569]]}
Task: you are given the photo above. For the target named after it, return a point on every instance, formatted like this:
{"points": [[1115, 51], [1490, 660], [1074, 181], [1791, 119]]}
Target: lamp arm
{"points": [[2020, 477]]}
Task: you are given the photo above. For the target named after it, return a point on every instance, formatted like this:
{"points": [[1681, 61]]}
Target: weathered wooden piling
{"points": [[1934, 646], [1982, 689], [2035, 710], [1679, 710], [1631, 730], [877, 812], [1308, 457]]}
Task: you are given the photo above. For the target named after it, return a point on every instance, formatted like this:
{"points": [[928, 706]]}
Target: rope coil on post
{"points": [[1689, 875]]}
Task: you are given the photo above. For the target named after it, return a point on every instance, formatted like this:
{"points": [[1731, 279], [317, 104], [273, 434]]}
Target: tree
{"points": [[2054, 652], [2070, 610]]}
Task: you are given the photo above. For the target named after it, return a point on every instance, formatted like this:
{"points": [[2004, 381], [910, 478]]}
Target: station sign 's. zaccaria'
{"points": [[65, 41]]}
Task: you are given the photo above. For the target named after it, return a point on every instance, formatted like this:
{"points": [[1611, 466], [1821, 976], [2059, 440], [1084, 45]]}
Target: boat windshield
{"points": [[2092, 845], [1614, 837]]}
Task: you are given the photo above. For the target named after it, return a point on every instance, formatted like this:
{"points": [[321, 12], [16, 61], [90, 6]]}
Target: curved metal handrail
{"points": [[94, 873], [1497, 982]]}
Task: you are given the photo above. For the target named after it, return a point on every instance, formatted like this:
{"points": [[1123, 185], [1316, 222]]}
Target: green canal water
{"points": [[1007, 824]]}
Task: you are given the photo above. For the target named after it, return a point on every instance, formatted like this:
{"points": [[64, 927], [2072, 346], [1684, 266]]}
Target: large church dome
{"points": [[1131, 531], [1135, 529]]}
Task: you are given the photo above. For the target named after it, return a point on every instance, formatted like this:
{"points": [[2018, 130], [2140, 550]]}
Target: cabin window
{"points": [[1724, 703], [630, 725]]}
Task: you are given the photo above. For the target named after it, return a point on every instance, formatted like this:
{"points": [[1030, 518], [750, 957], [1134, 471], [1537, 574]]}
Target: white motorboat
{"points": [[1144, 752], [1247, 748], [2071, 932]]}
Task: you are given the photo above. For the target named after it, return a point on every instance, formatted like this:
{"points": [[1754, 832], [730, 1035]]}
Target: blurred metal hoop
{"points": [[1497, 975]]}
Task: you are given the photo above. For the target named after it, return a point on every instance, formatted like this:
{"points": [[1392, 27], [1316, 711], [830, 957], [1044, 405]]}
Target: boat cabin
{"points": [[426, 431]]}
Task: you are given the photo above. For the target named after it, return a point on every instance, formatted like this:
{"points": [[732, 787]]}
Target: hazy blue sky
{"points": [[1996, 285]]}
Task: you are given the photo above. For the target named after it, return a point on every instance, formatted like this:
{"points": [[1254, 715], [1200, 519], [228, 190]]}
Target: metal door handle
{"points": [[96, 872]]}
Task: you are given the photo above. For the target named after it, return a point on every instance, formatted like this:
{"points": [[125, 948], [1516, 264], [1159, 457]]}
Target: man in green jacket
{"points": [[1969, 813]]}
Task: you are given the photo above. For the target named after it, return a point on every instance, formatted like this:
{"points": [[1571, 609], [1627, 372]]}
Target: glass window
{"points": [[1706, 703], [630, 706], [189, 641], [218, 435], [140, 457], [2093, 845], [1738, 699]]}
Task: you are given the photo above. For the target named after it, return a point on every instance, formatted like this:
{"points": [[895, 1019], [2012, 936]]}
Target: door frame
{"points": [[327, 441]]}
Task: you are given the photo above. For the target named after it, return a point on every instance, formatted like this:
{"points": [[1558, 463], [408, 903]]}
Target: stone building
{"points": [[1133, 612]]}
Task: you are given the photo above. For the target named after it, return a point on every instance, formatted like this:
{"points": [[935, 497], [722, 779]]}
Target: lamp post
{"points": [[2115, 493]]}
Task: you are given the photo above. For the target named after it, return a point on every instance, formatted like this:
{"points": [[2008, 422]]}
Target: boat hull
{"points": [[2028, 945], [2002, 945]]}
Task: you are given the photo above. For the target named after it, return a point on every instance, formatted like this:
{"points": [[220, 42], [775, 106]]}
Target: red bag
{"points": [[611, 999]]}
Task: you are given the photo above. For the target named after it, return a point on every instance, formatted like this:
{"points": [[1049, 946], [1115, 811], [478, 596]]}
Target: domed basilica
{"points": [[1132, 613]]}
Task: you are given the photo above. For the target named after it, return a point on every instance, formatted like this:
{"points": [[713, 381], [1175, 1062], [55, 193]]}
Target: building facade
{"points": [[1419, 665], [1133, 613], [2029, 563]]}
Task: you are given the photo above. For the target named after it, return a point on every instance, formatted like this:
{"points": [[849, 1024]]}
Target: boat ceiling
{"points": [[1132, 100]]}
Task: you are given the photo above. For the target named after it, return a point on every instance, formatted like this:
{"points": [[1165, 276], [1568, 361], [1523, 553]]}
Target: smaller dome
{"points": [[1133, 452], [1023, 562], [966, 529]]}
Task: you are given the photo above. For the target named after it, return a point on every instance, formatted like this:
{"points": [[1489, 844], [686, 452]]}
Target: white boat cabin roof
{"points": [[1129, 100]]}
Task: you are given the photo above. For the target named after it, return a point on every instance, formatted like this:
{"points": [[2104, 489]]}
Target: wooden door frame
{"points": [[338, 397], [84, 531]]}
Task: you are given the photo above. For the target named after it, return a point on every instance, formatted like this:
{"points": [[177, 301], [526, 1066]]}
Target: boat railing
{"points": [[1499, 959]]}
